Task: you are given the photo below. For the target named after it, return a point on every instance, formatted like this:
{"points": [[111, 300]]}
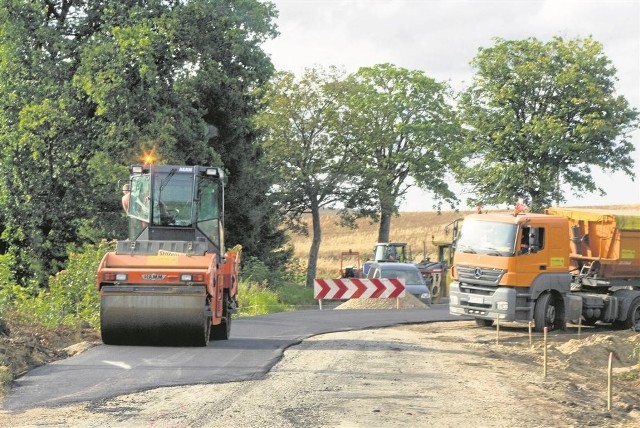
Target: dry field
{"points": [[418, 229]]}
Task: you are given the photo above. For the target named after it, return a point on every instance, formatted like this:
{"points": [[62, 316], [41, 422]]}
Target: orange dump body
{"points": [[610, 237]]}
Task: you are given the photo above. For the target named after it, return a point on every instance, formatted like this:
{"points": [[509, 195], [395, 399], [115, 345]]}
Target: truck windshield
{"points": [[487, 237]]}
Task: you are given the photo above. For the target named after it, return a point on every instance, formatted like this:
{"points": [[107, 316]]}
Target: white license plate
{"points": [[476, 299]]}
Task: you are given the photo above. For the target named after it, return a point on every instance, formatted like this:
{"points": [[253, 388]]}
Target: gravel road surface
{"points": [[450, 374]]}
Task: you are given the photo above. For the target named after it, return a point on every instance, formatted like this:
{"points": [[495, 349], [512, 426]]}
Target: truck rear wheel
{"points": [[633, 317]]}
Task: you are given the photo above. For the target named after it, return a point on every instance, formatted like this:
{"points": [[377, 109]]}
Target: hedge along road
{"points": [[256, 344]]}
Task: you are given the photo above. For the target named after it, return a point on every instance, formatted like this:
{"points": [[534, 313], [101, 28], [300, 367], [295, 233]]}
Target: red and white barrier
{"points": [[356, 288]]}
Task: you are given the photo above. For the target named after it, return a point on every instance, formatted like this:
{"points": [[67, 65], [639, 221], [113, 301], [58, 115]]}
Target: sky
{"points": [[441, 37]]}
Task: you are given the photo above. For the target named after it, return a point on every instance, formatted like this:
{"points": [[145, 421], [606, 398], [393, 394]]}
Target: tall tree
{"points": [[86, 86], [540, 116], [227, 39], [45, 137], [405, 130], [312, 164]]}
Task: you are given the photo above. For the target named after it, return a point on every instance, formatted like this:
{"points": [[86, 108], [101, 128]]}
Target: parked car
{"points": [[413, 280]]}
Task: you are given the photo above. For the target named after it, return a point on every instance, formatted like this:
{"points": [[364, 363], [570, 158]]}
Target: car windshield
{"points": [[487, 237], [409, 276]]}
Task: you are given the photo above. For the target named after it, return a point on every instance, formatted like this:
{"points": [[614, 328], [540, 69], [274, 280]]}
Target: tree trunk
{"points": [[315, 245], [387, 208], [385, 227]]}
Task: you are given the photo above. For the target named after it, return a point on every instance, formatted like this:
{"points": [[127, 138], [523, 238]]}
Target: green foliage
{"points": [[541, 115], [87, 86], [256, 299], [312, 165], [629, 376], [355, 141], [263, 290], [257, 271], [405, 132], [6, 281], [296, 296], [72, 298], [635, 353]]}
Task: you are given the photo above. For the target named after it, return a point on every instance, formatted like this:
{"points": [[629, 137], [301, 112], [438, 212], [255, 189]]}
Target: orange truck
{"points": [[172, 281], [565, 265]]}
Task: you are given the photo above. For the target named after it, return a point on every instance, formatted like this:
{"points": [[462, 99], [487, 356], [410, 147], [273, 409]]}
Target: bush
{"points": [[256, 271], [296, 296], [263, 290], [7, 284], [72, 298], [256, 299]]}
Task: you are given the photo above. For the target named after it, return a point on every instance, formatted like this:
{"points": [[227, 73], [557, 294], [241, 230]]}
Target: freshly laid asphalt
{"points": [[256, 344]]}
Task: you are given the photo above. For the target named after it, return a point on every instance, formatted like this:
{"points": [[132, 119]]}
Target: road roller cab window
{"points": [[173, 199], [139, 205], [209, 205]]}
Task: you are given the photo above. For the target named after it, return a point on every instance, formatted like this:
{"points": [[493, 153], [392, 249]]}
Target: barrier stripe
{"points": [[356, 288], [361, 288]]}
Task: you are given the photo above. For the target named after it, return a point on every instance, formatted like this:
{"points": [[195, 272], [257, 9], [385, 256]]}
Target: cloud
{"points": [[440, 37]]}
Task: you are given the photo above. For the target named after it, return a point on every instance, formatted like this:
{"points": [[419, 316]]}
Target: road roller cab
{"points": [[171, 282]]}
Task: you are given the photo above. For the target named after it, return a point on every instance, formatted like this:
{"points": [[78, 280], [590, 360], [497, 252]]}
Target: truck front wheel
{"points": [[483, 323], [547, 313]]}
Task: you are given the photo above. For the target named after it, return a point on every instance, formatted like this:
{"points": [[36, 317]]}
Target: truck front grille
{"points": [[479, 275]]}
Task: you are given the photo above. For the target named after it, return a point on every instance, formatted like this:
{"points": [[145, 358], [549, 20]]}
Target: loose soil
{"points": [[452, 374]]}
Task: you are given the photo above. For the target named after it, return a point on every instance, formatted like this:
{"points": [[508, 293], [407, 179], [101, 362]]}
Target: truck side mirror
{"points": [[533, 240]]}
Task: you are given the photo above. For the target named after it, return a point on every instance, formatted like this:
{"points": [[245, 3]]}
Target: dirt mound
{"points": [[407, 302], [593, 351]]}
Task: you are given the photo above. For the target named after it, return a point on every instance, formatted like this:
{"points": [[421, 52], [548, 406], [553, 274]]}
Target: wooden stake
{"points": [[546, 329], [609, 382], [579, 326], [530, 335], [497, 329]]}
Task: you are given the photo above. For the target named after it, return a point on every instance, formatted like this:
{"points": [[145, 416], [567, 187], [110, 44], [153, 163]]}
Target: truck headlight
{"points": [[453, 300], [502, 306]]}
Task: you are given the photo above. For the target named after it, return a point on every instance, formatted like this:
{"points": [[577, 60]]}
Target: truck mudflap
{"points": [[167, 314]]}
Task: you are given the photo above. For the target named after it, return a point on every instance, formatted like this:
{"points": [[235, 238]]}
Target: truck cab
{"points": [[504, 263]]}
